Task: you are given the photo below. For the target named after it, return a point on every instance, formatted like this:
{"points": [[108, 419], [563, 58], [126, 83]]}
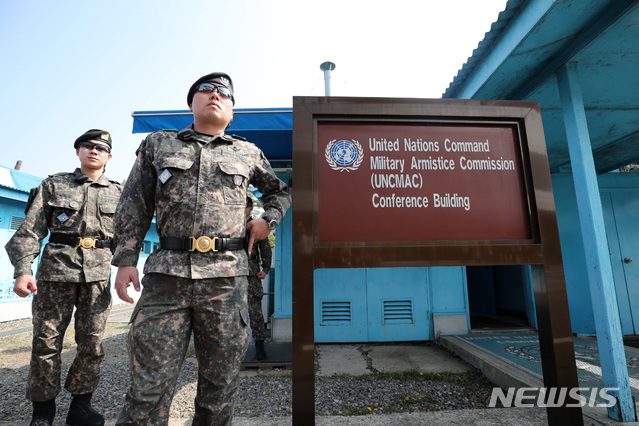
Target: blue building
{"points": [[578, 60]]}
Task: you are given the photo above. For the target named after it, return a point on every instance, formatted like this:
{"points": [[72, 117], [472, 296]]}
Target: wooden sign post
{"points": [[425, 182]]}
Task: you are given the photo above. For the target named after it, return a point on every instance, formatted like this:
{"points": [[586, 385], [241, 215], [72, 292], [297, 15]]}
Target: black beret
{"points": [[215, 77], [249, 202], [96, 135]]}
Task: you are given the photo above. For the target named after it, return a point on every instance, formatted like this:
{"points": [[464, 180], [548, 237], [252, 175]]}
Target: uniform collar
{"points": [[81, 177], [189, 133]]}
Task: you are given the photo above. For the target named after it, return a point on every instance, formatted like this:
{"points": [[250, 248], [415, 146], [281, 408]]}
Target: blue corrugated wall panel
{"points": [[398, 305], [340, 305], [448, 289], [385, 304]]}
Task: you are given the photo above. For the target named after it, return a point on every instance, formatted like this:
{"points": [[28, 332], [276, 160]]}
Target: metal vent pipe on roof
{"points": [[327, 67]]}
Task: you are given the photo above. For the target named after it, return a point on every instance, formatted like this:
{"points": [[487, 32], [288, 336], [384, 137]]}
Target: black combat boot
{"points": [[82, 414], [43, 413], [260, 353]]}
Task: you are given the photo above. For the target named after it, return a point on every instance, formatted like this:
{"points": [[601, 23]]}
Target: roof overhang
{"points": [[531, 40]]}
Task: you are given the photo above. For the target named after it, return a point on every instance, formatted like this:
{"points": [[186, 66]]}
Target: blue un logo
{"points": [[344, 155], [344, 152]]}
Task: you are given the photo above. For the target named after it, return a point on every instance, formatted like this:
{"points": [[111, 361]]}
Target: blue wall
{"points": [[10, 208], [624, 186], [385, 304], [283, 269]]}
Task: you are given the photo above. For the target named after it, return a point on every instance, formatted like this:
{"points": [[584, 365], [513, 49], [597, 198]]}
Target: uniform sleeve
{"points": [[25, 244], [266, 255], [275, 197], [135, 209]]}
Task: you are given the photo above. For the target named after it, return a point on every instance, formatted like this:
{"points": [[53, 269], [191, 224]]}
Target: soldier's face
{"points": [[212, 108], [94, 158]]}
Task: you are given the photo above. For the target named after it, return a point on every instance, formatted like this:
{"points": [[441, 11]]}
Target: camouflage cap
{"points": [[96, 135], [214, 77]]}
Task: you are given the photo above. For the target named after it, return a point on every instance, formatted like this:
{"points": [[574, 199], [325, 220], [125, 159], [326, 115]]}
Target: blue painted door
{"points": [[398, 304], [340, 305], [381, 304], [621, 211]]}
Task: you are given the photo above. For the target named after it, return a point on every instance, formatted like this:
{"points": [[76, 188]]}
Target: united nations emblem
{"points": [[344, 155]]}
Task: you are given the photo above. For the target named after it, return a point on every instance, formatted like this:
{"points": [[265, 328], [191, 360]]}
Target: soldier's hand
{"points": [[25, 285], [259, 231], [261, 275], [126, 276]]}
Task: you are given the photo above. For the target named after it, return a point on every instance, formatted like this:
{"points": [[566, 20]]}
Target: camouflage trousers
{"points": [[52, 310], [168, 312], [255, 295]]}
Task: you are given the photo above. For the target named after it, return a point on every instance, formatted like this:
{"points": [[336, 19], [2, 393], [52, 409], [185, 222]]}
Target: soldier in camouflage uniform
{"points": [[259, 266], [74, 271], [195, 181]]}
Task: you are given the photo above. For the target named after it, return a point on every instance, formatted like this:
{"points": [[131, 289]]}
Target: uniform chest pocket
{"points": [[108, 204], [65, 210], [172, 179], [234, 182]]}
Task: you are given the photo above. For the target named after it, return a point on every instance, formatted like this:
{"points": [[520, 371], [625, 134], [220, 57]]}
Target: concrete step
{"points": [[501, 372]]}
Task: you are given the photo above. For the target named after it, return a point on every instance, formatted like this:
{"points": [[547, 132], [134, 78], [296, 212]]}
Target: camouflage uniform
{"points": [[72, 205], [261, 253], [196, 184]]}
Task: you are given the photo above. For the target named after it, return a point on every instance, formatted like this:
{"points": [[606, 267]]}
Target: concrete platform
{"points": [[365, 358], [513, 360], [360, 359], [499, 371]]}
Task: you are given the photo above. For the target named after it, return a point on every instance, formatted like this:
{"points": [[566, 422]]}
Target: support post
{"points": [[602, 286]]}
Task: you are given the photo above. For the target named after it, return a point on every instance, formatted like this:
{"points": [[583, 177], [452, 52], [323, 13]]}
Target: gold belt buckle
{"points": [[87, 242], [203, 244]]}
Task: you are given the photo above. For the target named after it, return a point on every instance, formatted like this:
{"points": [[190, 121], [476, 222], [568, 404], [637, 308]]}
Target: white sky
{"points": [[69, 66]]}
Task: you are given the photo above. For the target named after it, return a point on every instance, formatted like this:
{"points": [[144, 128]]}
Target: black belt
{"points": [[87, 242], [202, 244]]}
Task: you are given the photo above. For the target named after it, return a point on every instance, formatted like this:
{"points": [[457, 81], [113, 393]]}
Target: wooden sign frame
{"points": [[542, 250]]}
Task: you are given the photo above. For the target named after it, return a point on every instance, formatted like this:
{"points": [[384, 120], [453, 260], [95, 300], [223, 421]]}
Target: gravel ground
{"points": [[261, 394]]}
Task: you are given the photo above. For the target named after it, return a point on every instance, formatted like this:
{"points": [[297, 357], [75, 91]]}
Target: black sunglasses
{"points": [[100, 148], [210, 88]]}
